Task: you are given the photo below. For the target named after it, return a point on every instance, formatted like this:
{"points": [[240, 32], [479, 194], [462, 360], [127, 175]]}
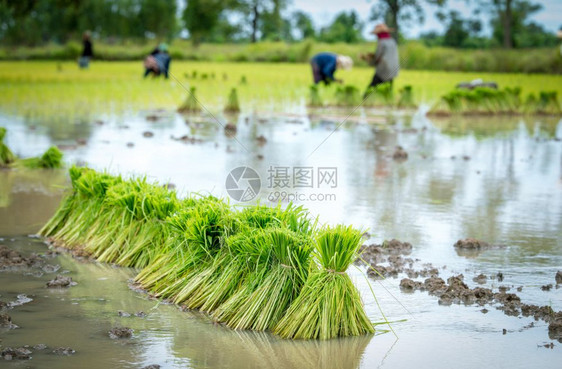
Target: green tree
{"points": [[396, 12], [201, 17], [510, 18], [346, 27], [304, 24], [159, 17]]}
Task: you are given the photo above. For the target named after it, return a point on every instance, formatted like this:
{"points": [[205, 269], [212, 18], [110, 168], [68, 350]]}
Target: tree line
{"points": [[36, 22]]}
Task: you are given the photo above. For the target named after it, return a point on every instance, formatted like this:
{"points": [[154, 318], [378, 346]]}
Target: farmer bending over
{"points": [[385, 58], [158, 61], [324, 66]]}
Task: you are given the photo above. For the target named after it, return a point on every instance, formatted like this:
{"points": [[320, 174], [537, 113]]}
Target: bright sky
{"points": [[323, 12]]}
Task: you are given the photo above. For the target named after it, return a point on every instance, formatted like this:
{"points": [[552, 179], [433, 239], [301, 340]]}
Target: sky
{"points": [[323, 12]]}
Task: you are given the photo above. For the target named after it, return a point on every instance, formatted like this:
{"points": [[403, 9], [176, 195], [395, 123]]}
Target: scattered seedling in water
{"points": [[190, 105], [194, 74], [381, 95], [243, 80], [232, 105], [315, 99]]}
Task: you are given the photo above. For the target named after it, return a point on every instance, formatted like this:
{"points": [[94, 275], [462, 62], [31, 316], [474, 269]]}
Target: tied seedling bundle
{"points": [[232, 105], [262, 268], [51, 159], [406, 98], [191, 105], [489, 101], [329, 305], [7, 157], [380, 95], [315, 100], [347, 96]]}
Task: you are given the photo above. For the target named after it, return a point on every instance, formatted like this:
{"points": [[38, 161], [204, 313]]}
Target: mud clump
{"points": [[120, 332], [13, 260], [40, 346], [261, 140], [6, 322], [558, 277], [400, 154], [61, 282], [20, 353], [230, 129], [546, 287], [63, 351], [396, 247], [471, 244], [480, 279], [408, 285], [148, 134], [153, 366], [555, 330]]}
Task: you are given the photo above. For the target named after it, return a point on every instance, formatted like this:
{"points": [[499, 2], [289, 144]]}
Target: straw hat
{"points": [[559, 33], [344, 62], [381, 28]]}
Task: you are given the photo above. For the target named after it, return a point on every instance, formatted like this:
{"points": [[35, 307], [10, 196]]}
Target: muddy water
{"points": [[498, 180]]}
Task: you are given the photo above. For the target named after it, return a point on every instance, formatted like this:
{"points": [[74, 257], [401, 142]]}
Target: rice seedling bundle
{"points": [[6, 155], [548, 103], [406, 99], [329, 305], [275, 289], [232, 105], [314, 100], [51, 159], [347, 95], [381, 94], [261, 268], [191, 104]]}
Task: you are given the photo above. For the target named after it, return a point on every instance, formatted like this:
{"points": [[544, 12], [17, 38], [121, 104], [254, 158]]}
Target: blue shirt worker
{"points": [[324, 66]]}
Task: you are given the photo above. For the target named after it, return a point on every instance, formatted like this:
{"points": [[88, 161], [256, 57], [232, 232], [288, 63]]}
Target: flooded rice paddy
{"points": [[494, 179]]}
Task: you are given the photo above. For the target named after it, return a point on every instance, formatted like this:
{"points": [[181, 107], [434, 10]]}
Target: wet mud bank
{"points": [[389, 259]]}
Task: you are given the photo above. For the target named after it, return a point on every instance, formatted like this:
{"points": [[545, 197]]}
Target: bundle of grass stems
{"points": [[51, 159], [232, 104], [315, 100], [7, 157], [191, 105], [258, 268], [380, 95], [484, 100], [347, 95], [406, 98]]}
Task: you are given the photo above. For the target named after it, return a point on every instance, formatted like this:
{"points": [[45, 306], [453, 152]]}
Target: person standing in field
{"points": [[385, 58], [324, 66], [87, 52], [158, 61]]}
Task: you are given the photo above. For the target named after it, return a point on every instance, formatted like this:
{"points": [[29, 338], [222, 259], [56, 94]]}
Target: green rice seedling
{"points": [[51, 159], [314, 100], [548, 103], [282, 281], [531, 103], [6, 155], [194, 74], [329, 305], [347, 95], [191, 105], [406, 99], [232, 105], [205, 229], [204, 76], [243, 80]]}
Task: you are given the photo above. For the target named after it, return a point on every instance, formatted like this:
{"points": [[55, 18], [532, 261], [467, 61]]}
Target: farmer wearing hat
{"points": [[158, 61], [324, 66], [385, 58]]}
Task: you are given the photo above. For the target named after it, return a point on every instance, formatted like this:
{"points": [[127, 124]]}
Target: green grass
{"points": [[42, 92]]}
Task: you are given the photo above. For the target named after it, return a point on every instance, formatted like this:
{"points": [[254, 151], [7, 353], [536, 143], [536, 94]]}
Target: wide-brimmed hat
{"points": [[344, 62], [381, 28]]}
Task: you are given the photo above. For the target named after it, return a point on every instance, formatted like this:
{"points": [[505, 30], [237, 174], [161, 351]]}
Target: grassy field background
{"points": [[414, 54], [47, 88]]}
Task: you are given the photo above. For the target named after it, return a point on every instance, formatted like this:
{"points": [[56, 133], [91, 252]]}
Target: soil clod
{"points": [[120, 332], [63, 351], [61, 282], [400, 154], [20, 353]]}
